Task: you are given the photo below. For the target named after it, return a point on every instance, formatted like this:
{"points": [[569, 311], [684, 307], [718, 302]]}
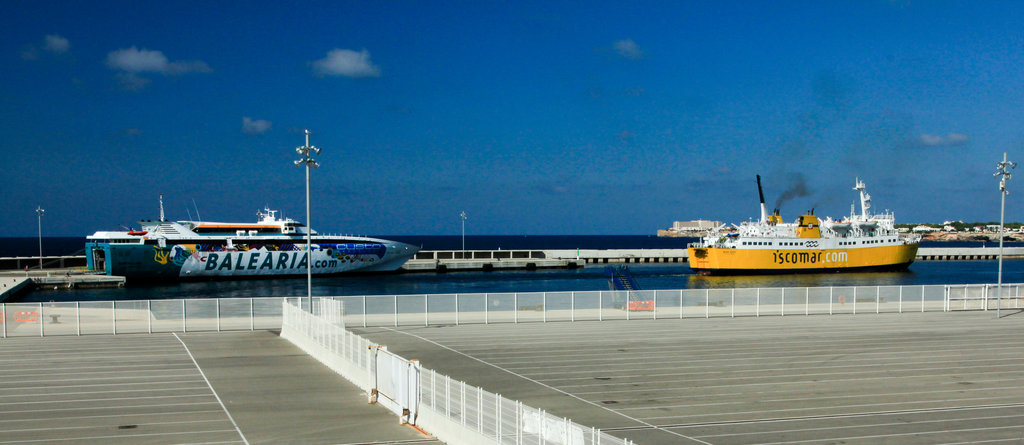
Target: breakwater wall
{"points": [[451, 260]]}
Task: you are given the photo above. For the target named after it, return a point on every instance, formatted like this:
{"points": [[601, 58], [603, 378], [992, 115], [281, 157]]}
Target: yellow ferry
{"points": [[864, 242]]}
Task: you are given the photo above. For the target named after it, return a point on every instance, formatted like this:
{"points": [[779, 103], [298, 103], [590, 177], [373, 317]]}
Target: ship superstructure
{"points": [[859, 242], [272, 246]]}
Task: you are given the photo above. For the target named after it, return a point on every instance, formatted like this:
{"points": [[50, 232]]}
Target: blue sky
{"points": [[533, 117]]}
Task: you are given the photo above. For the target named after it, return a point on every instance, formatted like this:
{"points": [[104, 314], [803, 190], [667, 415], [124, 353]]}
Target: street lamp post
{"points": [[39, 213], [463, 216], [1003, 173], [308, 161]]}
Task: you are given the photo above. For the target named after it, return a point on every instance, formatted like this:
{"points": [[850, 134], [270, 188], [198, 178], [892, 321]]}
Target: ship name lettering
{"points": [[215, 261], [796, 257]]}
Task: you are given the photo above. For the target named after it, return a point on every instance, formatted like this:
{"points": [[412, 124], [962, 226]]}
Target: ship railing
{"points": [[245, 314]]}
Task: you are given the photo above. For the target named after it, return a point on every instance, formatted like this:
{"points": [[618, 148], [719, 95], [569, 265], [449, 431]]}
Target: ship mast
{"points": [[865, 199]]}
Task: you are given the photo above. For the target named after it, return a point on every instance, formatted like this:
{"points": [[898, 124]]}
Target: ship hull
{"points": [[183, 262], [728, 261]]}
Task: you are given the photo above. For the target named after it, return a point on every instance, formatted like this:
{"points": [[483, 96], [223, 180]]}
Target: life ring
{"points": [[842, 299]]}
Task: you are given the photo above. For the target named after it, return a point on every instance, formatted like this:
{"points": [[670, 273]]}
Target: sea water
{"points": [[590, 278]]}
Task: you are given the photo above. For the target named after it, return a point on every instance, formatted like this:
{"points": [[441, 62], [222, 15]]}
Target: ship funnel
{"points": [[760, 193]]}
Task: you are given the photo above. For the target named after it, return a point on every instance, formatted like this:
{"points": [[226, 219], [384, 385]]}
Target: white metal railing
{"points": [[139, 316], [519, 307], [453, 411], [233, 314]]}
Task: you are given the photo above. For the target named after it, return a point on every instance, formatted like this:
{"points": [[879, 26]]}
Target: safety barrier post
{"points": [[831, 292], [426, 310], [515, 307], [878, 298], [807, 301], [113, 315], [854, 300], [782, 311], [544, 302], [732, 311], [218, 315], [149, 316], [680, 304], [78, 318], [655, 305], [3, 311], [600, 305], [901, 299], [396, 311], [41, 324], [456, 309], [184, 322], [707, 303], [572, 308]]}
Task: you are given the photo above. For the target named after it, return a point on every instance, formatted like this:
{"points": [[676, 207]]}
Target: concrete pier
{"points": [[461, 260], [13, 282]]}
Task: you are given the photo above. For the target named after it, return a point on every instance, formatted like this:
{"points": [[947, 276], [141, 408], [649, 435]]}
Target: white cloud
{"points": [[134, 60], [131, 62], [56, 44], [345, 62], [132, 81], [950, 140], [628, 49], [250, 126], [52, 43]]}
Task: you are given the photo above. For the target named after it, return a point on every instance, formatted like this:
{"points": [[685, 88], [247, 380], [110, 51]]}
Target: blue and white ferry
{"points": [[182, 250]]}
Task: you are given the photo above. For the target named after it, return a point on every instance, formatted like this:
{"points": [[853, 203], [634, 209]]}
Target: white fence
{"points": [[139, 316], [233, 314], [453, 411]]}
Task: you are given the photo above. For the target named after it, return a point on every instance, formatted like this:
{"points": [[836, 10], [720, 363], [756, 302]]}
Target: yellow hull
{"points": [[712, 260]]}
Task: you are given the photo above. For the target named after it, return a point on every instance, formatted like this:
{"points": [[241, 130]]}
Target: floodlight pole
{"points": [[1003, 173], [39, 213], [308, 161], [463, 216]]}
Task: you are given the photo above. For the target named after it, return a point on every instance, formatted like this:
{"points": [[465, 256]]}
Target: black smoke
{"points": [[796, 188]]}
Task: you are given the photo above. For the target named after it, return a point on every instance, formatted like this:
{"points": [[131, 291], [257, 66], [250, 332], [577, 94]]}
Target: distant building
{"points": [[689, 228], [699, 225], [948, 229], [992, 227], [922, 229]]}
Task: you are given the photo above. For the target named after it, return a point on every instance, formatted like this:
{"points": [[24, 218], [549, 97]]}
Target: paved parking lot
{"points": [[890, 378], [240, 387]]}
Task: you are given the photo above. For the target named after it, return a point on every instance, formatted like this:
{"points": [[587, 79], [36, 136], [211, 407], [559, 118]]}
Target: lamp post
{"points": [[39, 213], [1003, 173], [463, 216], [308, 161]]}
